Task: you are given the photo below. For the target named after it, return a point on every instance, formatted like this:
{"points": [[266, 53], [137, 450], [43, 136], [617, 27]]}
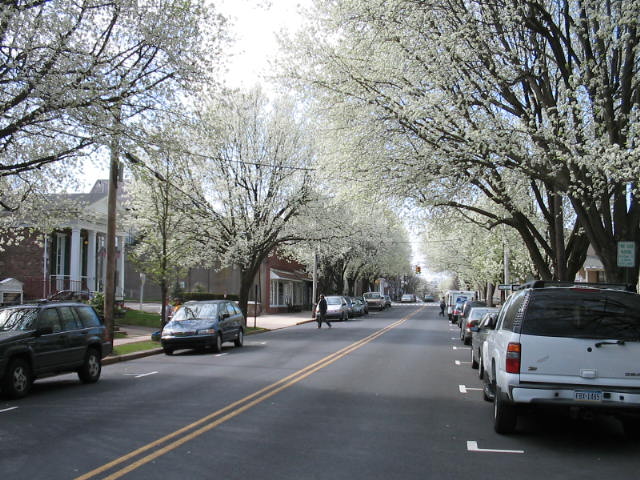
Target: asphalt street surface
{"points": [[386, 396]]}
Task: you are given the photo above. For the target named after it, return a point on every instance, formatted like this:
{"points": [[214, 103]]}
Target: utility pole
{"points": [[315, 283], [110, 284]]}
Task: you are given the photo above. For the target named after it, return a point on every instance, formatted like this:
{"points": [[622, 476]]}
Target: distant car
{"points": [[466, 308], [387, 301], [429, 298], [364, 304], [374, 300], [358, 306], [203, 324], [337, 308], [408, 298], [472, 320], [48, 339]]}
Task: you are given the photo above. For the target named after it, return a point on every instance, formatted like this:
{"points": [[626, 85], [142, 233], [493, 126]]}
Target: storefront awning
{"points": [[291, 276]]}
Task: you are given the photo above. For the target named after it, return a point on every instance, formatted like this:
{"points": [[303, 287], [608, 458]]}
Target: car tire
{"points": [[18, 379], [488, 393], [505, 414], [466, 340], [474, 362], [480, 367], [168, 351], [239, 341], [217, 346], [91, 368]]}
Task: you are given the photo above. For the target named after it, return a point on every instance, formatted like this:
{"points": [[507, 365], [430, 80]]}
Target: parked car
{"points": [[571, 347], [358, 306], [471, 320], [46, 339], [466, 308], [478, 336], [202, 324], [374, 300], [429, 298], [408, 298], [365, 305], [337, 308], [456, 312], [70, 296], [387, 301]]}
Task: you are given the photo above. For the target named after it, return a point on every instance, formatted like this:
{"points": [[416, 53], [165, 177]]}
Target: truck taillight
{"points": [[513, 358]]}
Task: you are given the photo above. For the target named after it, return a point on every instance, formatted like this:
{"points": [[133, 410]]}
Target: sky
{"points": [[254, 25]]}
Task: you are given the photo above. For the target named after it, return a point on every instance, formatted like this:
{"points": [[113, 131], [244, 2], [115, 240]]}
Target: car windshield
{"points": [[372, 295], [334, 300], [17, 318], [196, 310], [583, 314]]}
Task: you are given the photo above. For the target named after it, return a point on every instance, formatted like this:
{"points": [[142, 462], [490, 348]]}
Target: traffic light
{"points": [[417, 269]]}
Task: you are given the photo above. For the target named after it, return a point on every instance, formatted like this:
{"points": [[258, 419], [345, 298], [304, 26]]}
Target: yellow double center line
{"points": [[232, 410]]}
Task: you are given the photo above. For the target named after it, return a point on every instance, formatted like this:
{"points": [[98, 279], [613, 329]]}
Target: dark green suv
{"points": [[45, 339]]}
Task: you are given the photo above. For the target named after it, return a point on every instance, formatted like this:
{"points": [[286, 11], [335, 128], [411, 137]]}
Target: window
{"points": [[68, 318], [583, 314], [49, 319], [88, 317]]}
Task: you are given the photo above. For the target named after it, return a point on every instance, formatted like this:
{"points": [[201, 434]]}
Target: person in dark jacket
{"points": [[322, 312], [443, 305]]}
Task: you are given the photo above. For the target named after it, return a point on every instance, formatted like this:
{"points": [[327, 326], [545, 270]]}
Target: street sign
{"points": [[508, 287], [627, 254]]}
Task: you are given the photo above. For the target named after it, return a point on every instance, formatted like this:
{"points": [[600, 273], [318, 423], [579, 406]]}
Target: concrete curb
{"points": [[130, 356]]}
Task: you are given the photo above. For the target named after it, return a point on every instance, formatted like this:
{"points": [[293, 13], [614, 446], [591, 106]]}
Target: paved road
{"points": [[382, 397]]}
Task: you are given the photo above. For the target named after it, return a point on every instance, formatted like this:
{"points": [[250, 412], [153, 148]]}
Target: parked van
{"points": [[454, 297]]}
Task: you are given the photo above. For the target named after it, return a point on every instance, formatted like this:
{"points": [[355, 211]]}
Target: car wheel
{"points": [[474, 362], [17, 382], [487, 388], [239, 341], [480, 367], [168, 351], [466, 340], [345, 316], [505, 414], [217, 347], [90, 370]]}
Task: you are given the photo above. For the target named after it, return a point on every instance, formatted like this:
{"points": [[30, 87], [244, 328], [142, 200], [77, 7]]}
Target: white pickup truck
{"points": [[573, 347]]}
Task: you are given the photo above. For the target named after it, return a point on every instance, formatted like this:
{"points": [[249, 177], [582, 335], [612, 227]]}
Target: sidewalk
{"points": [[270, 322]]}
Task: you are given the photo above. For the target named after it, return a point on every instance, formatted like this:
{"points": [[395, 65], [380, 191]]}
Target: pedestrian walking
{"points": [[322, 312], [443, 305]]}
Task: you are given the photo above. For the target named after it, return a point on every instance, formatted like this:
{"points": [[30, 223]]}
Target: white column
{"points": [[91, 260], [76, 260], [120, 290]]}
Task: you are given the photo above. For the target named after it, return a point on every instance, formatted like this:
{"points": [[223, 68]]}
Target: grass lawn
{"points": [[141, 319], [135, 347]]}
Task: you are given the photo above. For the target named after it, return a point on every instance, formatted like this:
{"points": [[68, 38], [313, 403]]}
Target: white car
{"points": [[408, 298], [572, 347]]}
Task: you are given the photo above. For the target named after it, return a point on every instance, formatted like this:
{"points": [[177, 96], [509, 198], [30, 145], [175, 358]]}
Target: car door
{"points": [[49, 344], [75, 336]]}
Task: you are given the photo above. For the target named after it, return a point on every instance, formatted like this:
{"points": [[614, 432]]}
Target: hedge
{"points": [[186, 296]]}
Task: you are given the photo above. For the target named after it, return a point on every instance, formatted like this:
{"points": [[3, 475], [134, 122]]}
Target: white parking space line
{"points": [[139, 375], [458, 362], [8, 409], [221, 354], [461, 348], [455, 338], [465, 389], [473, 447]]}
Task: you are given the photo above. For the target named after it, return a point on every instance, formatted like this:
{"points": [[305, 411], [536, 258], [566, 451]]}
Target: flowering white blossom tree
{"points": [[248, 182], [442, 90], [76, 73]]}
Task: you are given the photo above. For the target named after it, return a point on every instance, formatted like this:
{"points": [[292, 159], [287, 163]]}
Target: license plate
{"points": [[588, 395]]}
